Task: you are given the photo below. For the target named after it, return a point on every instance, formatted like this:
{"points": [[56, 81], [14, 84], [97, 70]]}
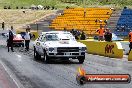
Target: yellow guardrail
{"points": [[130, 56], [33, 32], [109, 49]]}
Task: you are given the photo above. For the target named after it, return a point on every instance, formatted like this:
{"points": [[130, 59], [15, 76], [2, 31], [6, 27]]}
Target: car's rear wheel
{"points": [[36, 55], [46, 58], [81, 59]]}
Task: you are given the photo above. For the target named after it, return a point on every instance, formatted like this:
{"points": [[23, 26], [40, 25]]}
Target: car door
{"points": [[42, 41], [38, 44]]}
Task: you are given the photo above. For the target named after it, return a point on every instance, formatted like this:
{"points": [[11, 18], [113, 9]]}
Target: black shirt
{"points": [[11, 35], [108, 36]]}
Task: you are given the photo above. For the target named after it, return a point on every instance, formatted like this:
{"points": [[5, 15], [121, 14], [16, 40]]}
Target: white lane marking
{"points": [[10, 74], [19, 57]]}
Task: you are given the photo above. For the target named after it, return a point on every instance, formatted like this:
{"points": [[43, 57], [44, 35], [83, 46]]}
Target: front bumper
{"points": [[66, 54]]}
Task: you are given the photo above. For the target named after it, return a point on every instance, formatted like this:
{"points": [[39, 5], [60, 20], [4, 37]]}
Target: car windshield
{"points": [[66, 36], [18, 36], [51, 37]]}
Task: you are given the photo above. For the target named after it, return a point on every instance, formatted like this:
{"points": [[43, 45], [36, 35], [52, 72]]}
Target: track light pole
{"points": [[84, 5]]}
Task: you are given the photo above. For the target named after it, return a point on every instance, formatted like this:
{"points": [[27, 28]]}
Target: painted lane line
{"points": [[9, 73], [19, 57]]}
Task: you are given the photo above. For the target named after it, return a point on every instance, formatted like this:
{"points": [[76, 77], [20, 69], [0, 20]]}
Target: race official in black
{"points": [[10, 39]]}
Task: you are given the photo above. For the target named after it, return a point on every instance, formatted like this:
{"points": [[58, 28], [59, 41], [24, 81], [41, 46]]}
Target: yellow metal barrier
{"points": [[109, 49], [130, 56], [33, 32]]}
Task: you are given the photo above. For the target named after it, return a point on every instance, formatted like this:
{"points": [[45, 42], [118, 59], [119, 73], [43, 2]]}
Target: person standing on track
{"points": [[130, 40], [101, 32], [27, 38], [3, 25], [10, 39], [83, 36]]}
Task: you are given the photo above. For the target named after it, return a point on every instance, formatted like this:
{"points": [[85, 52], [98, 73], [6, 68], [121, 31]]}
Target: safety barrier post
{"points": [[108, 49], [130, 56]]}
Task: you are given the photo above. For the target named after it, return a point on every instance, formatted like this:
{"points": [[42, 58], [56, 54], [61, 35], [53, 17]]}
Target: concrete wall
{"points": [[130, 56], [109, 49]]}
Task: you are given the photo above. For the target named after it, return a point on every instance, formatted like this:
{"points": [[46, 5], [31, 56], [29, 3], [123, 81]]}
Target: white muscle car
{"points": [[58, 45]]}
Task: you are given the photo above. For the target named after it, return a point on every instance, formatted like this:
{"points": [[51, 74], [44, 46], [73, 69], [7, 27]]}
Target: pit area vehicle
{"points": [[58, 45], [18, 40]]}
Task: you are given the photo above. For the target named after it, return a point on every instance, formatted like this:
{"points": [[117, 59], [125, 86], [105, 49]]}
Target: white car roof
{"points": [[55, 32]]}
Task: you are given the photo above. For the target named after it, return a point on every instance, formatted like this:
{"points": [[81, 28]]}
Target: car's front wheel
{"points": [[81, 59], [36, 54], [46, 58]]}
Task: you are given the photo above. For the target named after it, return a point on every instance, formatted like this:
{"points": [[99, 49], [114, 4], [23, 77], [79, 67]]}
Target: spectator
{"points": [[130, 40], [105, 21], [108, 35], [76, 37], [101, 33], [3, 25], [125, 7], [107, 13], [10, 39], [75, 34], [78, 33], [72, 31], [84, 13], [83, 37], [96, 21], [67, 7], [65, 29], [27, 39]]}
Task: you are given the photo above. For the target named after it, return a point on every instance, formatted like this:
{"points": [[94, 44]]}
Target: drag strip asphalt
{"points": [[37, 74]]}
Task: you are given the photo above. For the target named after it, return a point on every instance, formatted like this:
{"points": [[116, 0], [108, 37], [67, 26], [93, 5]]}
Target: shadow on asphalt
{"points": [[57, 62]]}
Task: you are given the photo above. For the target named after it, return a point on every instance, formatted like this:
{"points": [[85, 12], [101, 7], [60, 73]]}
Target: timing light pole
{"points": [[84, 5]]}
